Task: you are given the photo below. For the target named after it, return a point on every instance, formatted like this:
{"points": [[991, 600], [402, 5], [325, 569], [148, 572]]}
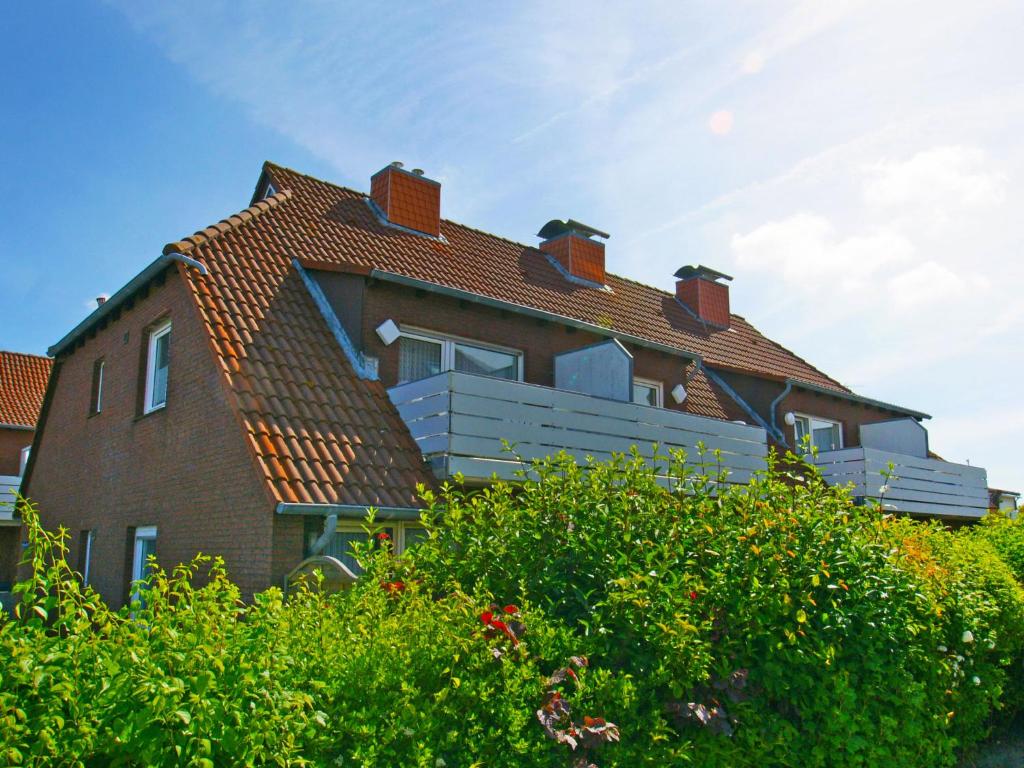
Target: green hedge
{"points": [[591, 615]]}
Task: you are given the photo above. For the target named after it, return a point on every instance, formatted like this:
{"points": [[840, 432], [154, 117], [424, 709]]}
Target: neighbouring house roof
{"points": [[22, 386], [319, 433]]}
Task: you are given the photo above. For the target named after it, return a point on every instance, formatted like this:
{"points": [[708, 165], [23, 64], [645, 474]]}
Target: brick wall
{"points": [[184, 468], [408, 199], [578, 255], [11, 443], [708, 300]]}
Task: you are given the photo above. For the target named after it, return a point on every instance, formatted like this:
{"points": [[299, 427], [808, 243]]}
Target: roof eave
{"points": [[857, 398], [155, 268], [350, 511]]}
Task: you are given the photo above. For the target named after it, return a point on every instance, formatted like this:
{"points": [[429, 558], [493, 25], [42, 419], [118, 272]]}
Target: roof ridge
{"points": [[359, 192], [227, 224], [459, 224]]}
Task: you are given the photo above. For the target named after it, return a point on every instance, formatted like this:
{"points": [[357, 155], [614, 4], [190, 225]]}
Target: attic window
{"points": [[268, 190]]}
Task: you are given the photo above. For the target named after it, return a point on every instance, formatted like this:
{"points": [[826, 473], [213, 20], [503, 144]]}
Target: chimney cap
{"points": [[397, 164], [685, 273], [557, 227]]}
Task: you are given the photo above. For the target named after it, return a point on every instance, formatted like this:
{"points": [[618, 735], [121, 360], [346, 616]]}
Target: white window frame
{"points": [[822, 421], [142, 533], [98, 405], [657, 386], [448, 343], [399, 528], [90, 536], [155, 335], [25, 452]]}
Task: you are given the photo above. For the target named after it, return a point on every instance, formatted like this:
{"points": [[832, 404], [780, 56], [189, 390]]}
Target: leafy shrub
{"points": [[1006, 536], [599, 613], [382, 674], [832, 616]]}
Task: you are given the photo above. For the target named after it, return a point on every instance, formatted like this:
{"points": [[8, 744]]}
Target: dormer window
{"points": [[825, 434]]}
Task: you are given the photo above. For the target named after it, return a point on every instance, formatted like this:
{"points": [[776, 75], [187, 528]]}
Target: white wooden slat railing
{"points": [[8, 486], [459, 421], [917, 485]]}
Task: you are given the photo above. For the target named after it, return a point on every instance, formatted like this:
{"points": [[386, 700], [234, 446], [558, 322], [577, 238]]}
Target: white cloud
{"points": [[931, 285], [951, 176], [806, 252]]}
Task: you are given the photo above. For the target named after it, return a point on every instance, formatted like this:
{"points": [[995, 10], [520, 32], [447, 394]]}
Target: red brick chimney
{"points": [[570, 244], [407, 199], [698, 288]]}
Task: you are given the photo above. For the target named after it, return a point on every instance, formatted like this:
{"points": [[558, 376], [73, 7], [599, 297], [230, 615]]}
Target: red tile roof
{"points": [[334, 225], [22, 386], [319, 433]]}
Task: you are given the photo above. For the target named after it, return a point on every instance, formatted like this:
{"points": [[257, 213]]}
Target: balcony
{"points": [[459, 421], [917, 486], [8, 487]]}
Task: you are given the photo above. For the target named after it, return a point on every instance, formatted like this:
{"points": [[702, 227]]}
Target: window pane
{"points": [[800, 428], [341, 543], [161, 358], [414, 535], [826, 437], [418, 359], [487, 362], [645, 394]]}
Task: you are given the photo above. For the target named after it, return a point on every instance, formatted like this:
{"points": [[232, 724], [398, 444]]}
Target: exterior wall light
{"points": [[388, 332], [679, 393]]}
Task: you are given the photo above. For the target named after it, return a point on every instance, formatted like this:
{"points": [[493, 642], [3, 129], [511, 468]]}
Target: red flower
{"points": [[486, 617], [392, 587], [511, 609], [693, 595], [383, 536]]}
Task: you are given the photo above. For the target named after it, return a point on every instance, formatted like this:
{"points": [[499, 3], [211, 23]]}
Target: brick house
{"points": [[269, 378], [22, 384]]}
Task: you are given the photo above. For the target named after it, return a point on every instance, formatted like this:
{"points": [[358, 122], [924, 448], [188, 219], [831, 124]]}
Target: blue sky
{"points": [[856, 165]]}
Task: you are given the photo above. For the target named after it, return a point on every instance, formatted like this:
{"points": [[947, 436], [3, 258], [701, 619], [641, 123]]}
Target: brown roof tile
{"points": [[274, 348], [22, 386], [335, 226]]}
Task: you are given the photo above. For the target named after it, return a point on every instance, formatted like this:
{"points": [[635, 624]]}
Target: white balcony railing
{"points": [[8, 487], [459, 421], [917, 486]]}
